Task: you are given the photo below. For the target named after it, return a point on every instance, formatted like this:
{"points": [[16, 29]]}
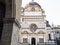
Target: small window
{"points": [[57, 31], [49, 36], [25, 40], [41, 40]]}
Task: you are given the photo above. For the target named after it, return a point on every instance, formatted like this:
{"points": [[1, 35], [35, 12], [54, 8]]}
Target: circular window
{"points": [[33, 27]]}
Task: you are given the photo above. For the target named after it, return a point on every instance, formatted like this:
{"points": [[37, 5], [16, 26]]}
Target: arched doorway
{"points": [[33, 41]]}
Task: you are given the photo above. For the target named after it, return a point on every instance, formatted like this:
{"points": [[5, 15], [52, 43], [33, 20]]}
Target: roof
{"points": [[47, 24], [33, 3]]}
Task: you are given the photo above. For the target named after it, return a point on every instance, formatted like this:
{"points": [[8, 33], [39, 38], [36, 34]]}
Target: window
{"points": [[33, 27], [25, 40], [49, 36], [41, 40], [33, 9], [57, 32]]}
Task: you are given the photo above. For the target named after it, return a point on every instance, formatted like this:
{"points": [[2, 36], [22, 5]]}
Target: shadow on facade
{"points": [[58, 41], [2, 15]]}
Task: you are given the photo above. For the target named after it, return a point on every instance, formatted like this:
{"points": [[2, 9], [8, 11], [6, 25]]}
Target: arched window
{"points": [[49, 36]]}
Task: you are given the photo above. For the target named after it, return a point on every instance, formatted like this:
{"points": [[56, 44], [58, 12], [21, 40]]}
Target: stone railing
{"points": [[25, 44], [32, 13], [46, 44], [41, 44]]}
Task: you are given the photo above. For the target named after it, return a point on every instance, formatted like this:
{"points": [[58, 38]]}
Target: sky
{"points": [[51, 8]]}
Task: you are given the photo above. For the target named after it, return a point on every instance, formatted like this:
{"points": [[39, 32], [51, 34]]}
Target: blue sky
{"points": [[51, 7]]}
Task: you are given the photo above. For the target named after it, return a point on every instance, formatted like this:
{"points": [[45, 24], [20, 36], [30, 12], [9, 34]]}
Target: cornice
{"points": [[17, 23], [9, 20]]}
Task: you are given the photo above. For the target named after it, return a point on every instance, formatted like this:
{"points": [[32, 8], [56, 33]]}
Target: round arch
{"points": [[33, 41]]}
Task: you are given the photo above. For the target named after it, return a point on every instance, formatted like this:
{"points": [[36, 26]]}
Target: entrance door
{"points": [[33, 41]]}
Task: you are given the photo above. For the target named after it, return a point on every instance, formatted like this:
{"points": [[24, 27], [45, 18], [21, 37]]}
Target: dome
{"points": [[47, 24], [33, 6], [34, 3]]}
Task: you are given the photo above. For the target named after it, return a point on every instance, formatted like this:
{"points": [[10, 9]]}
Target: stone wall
{"points": [[15, 35], [9, 28], [7, 32]]}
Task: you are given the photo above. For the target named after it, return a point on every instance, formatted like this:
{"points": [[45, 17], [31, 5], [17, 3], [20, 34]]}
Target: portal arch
{"points": [[33, 41]]}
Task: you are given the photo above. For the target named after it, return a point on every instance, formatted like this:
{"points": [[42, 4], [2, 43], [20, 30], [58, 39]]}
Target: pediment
{"points": [[25, 32], [40, 32]]}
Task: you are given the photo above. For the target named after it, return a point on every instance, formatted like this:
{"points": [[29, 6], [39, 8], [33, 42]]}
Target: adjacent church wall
{"points": [[8, 8], [9, 21], [2, 16], [18, 4], [16, 25], [15, 35], [6, 34]]}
